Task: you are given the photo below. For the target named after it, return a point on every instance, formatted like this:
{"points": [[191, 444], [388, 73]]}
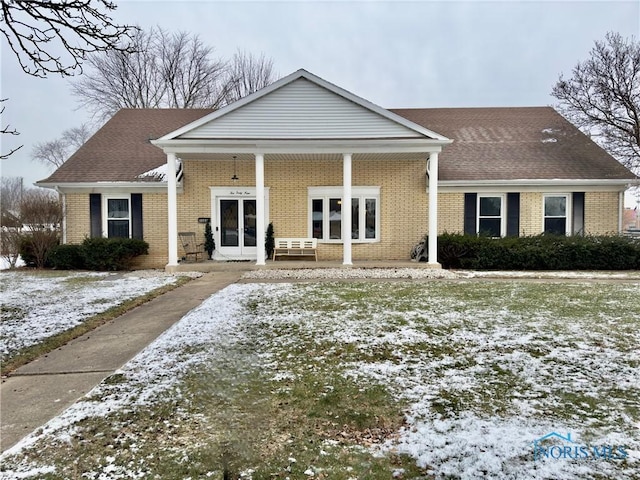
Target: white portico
{"points": [[302, 115]]}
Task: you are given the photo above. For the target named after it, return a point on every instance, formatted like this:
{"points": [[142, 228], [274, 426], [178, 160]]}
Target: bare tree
{"points": [[10, 224], [602, 97], [35, 29], [166, 71], [11, 189], [41, 216], [247, 74], [7, 130], [55, 152]]}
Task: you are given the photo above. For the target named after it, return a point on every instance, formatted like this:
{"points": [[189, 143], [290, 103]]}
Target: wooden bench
{"points": [[296, 247]]}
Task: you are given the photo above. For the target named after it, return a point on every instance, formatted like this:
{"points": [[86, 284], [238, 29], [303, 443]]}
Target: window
{"points": [[118, 217], [555, 214], [490, 216], [326, 213]]}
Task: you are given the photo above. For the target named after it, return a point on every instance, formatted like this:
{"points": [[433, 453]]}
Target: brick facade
{"points": [[403, 204]]}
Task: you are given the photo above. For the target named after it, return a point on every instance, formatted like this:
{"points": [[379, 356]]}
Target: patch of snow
{"points": [[472, 348], [37, 305], [5, 265], [348, 273], [159, 173]]}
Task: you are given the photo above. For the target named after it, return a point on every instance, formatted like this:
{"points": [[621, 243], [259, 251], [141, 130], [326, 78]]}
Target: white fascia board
{"points": [[109, 187], [533, 185], [302, 146], [318, 81]]}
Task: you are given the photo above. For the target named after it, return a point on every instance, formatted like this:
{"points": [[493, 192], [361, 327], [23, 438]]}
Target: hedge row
{"points": [[97, 254], [541, 252]]}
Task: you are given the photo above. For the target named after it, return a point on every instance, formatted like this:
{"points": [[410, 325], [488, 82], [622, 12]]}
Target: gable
{"points": [[301, 109]]}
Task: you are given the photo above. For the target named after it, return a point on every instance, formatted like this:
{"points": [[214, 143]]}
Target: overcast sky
{"points": [[392, 53]]}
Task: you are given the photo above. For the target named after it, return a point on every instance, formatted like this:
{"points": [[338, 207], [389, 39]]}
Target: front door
{"points": [[237, 227]]}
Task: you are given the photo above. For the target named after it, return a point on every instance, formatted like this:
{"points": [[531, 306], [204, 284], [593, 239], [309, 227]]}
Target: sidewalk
{"points": [[42, 389]]}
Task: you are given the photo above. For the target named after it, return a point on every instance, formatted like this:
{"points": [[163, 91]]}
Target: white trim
{"points": [[327, 192], [337, 146], [503, 211], [432, 247], [103, 187], [345, 213], [260, 209], [239, 192], [530, 185], [313, 79], [172, 211], [105, 209], [568, 214]]}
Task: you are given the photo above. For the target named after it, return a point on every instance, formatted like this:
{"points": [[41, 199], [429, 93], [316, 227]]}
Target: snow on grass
{"points": [[155, 371], [485, 372], [37, 305], [482, 368]]}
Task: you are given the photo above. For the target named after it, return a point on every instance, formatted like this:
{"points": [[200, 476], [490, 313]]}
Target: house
{"points": [[292, 153]]}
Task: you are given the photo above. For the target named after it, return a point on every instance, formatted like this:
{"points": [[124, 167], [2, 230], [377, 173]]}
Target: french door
{"points": [[237, 227]]}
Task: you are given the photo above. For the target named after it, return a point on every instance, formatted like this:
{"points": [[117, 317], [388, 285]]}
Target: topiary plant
{"points": [[269, 241], [209, 242]]}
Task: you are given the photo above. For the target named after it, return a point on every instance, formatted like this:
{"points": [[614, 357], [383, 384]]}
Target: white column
{"points": [[432, 169], [260, 228], [172, 209], [346, 209]]}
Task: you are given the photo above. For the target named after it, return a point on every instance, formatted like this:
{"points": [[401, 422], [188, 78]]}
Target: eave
{"points": [[338, 146], [537, 184], [102, 187]]}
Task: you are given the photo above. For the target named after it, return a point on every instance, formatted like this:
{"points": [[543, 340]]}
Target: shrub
{"points": [[26, 251], [541, 252], [35, 246], [66, 257], [269, 241], [111, 253]]}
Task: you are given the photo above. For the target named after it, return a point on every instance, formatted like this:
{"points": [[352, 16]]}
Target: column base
{"points": [[434, 265]]}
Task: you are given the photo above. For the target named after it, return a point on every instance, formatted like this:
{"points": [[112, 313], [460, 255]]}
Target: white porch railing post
{"points": [[346, 208], [433, 210], [260, 210], [172, 210]]}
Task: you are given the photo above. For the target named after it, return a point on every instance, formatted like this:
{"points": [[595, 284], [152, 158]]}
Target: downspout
{"points": [[620, 210], [63, 197]]}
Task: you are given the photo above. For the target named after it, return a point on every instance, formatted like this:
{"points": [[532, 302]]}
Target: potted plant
{"points": [[269, 242]]}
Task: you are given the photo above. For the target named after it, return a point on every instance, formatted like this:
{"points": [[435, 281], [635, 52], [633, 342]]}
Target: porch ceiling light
{"points": [[235, 176]]}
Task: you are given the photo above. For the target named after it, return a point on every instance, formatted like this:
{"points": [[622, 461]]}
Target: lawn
{"points": [[37, 305], [368, 380]]}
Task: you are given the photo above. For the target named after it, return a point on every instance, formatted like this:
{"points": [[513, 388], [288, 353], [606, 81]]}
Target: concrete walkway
{"points": [[42, 389]]}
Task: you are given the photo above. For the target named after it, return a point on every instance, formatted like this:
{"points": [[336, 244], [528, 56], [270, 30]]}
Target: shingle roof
{"points": [[514, 143], [120, 150], [489, 144]]}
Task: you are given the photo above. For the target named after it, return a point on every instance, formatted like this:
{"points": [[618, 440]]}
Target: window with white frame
{"points": [[325, 208], [491, 216], [118, 217], [555, 214]]}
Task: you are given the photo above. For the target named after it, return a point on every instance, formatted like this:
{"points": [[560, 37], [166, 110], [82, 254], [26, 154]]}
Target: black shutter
{"points": [[470, 206], [513, 214], [136, 215], [95, 214], [577, 215]]}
